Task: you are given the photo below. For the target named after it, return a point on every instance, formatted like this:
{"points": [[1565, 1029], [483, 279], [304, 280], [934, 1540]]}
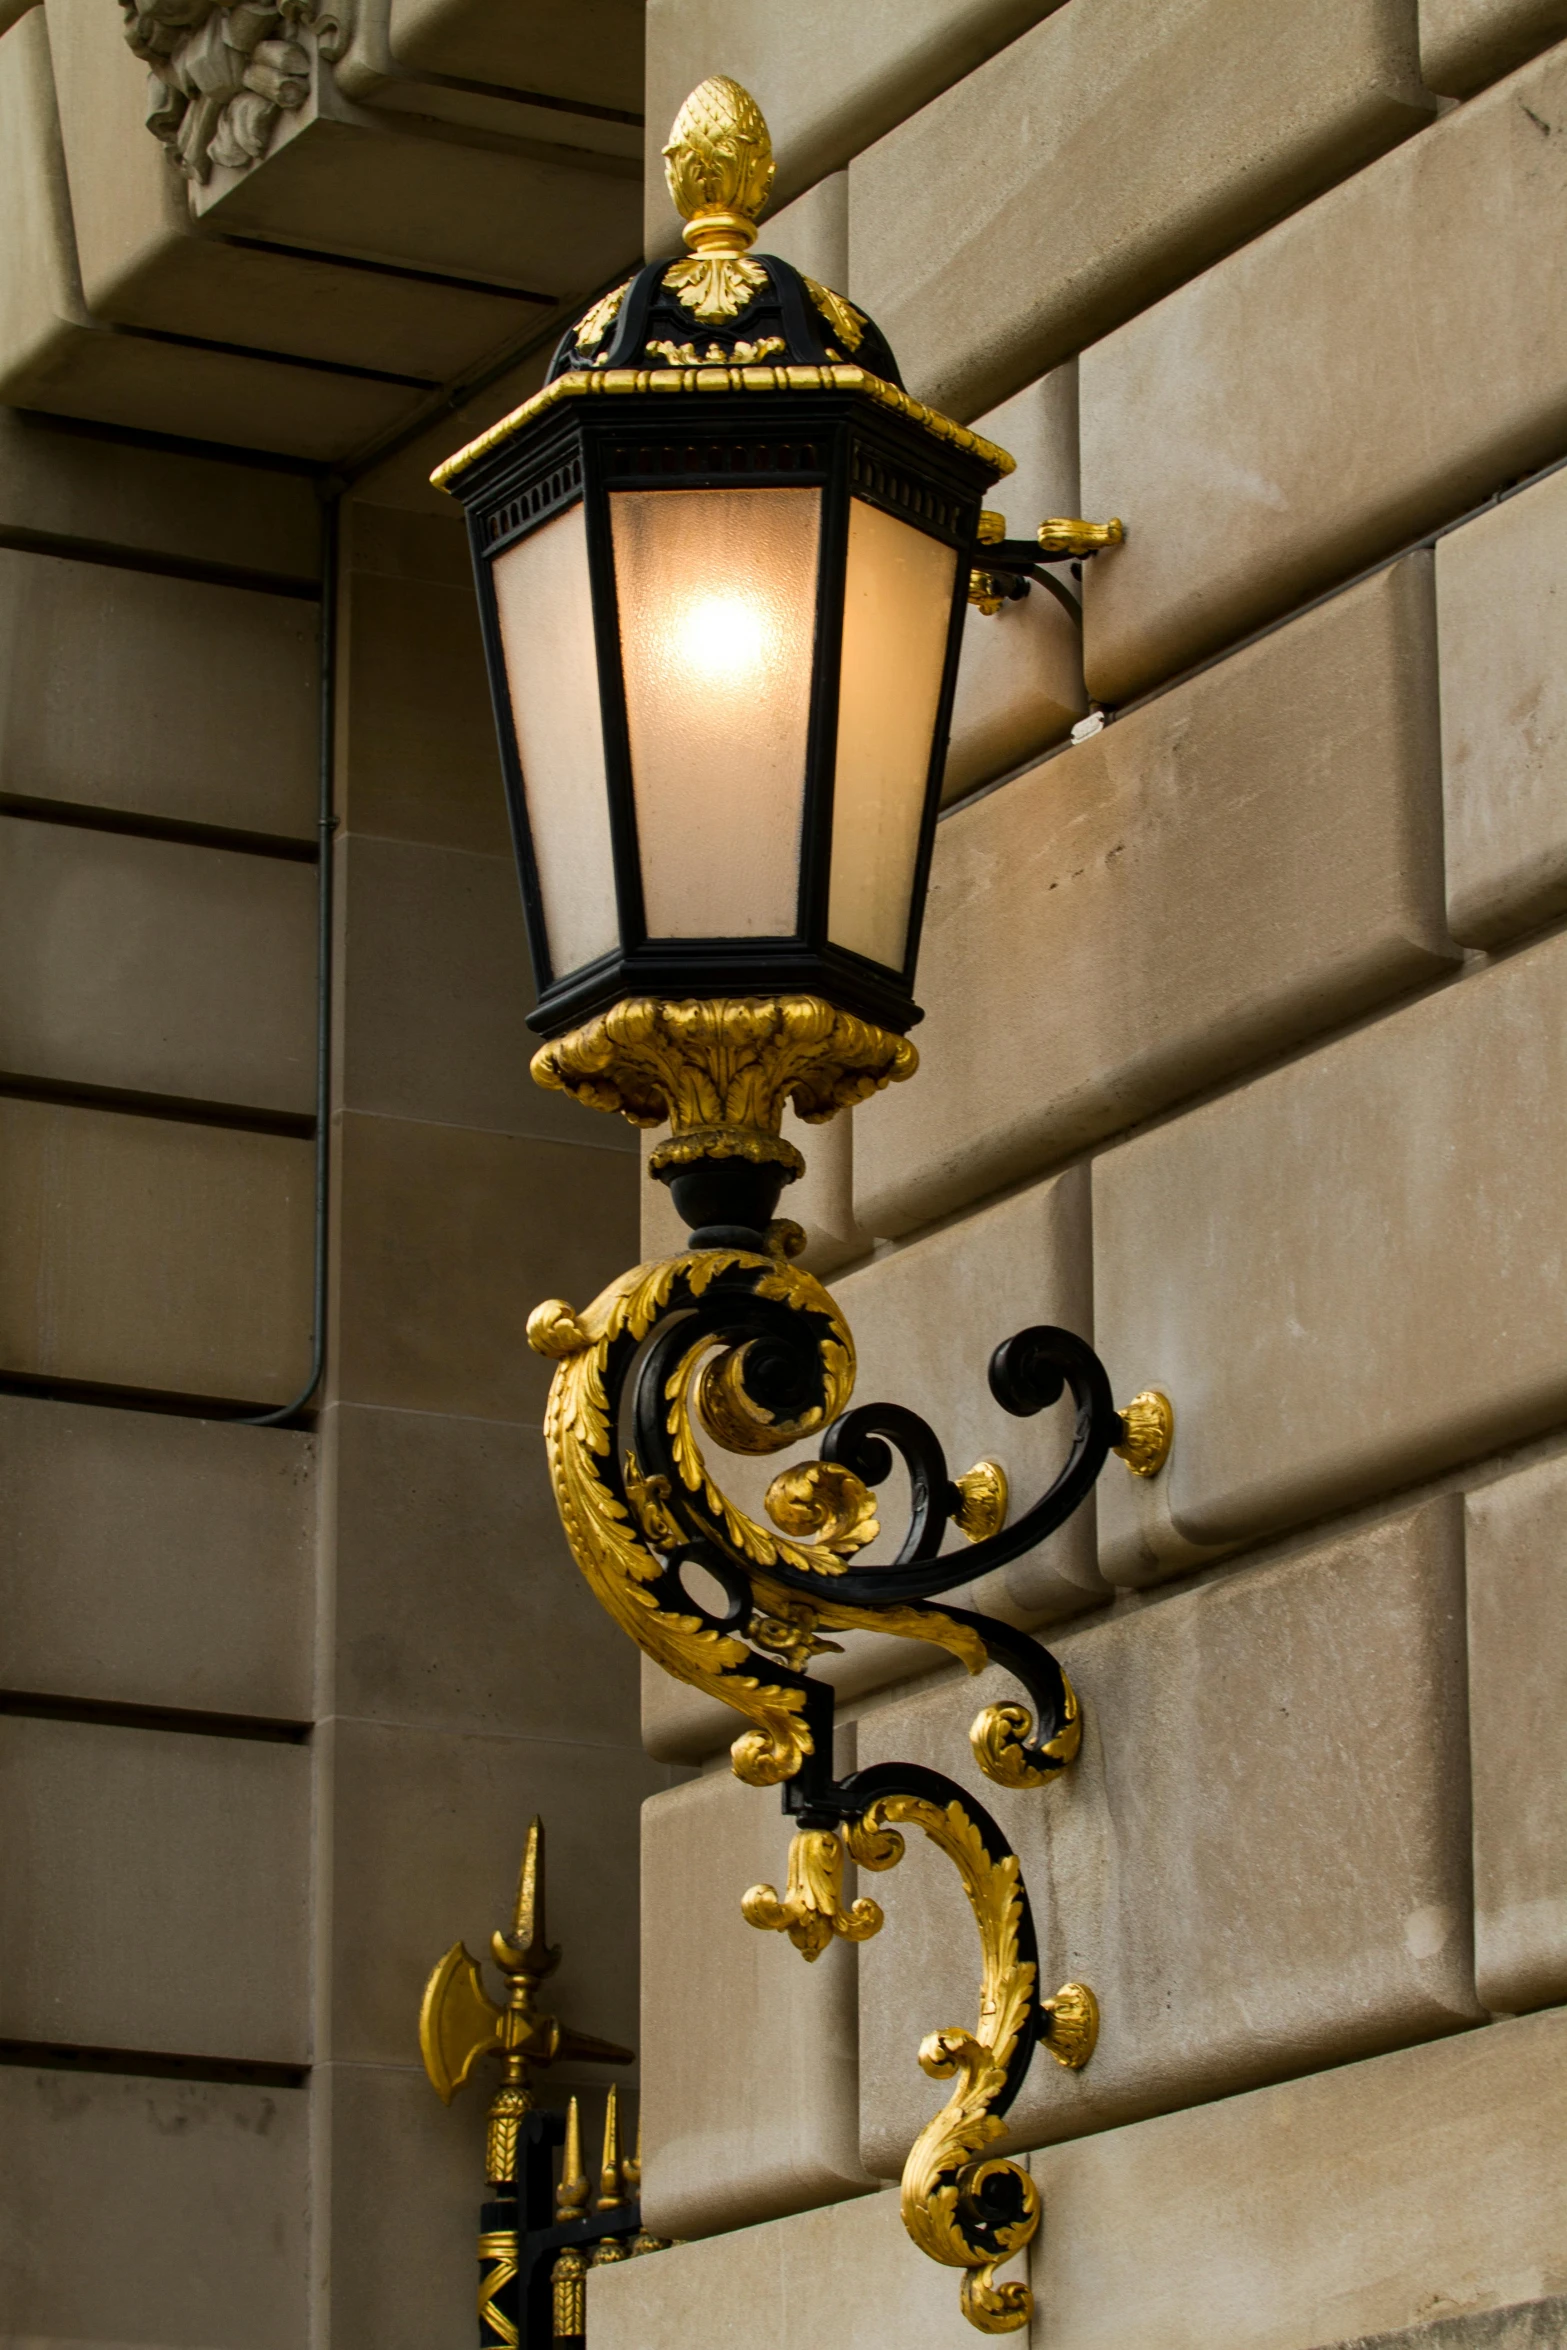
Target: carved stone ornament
{"points": [[223, 71]]}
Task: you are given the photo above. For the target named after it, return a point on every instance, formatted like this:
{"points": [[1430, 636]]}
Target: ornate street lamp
{"points": [[723, 561]]}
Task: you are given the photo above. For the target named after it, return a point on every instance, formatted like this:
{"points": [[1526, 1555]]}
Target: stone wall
{"points": [[277, 1702], [1244, 1056]]}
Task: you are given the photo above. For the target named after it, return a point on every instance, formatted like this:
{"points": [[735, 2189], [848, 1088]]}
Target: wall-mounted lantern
{"points": [[723, 561]]}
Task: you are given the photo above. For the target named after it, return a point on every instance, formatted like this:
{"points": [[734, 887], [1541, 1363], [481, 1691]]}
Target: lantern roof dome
{"points": [[722, 318]]}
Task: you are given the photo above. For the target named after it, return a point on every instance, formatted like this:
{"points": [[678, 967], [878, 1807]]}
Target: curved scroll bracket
{"points": [[740, 1346]]}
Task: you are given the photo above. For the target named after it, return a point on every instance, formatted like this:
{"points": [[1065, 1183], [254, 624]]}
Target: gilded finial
{"points": [[609, 2196], [571, 2195], [719, 166]]}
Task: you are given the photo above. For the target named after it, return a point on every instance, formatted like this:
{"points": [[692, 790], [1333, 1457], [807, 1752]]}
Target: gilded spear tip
{"points": [[609, 2196]]}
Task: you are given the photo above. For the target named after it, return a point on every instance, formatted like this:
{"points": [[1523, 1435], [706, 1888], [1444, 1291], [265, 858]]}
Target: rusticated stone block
{"points": [[1259, 1861], [1466, 43], [1251, 857], [926, 1320], [758, 2115], [1101, 159], [1347, 1275], [450, 1237], [437, 993], [481, 1644], [1517, 1533], [828, 79], [168, 697], [149, 1559], [157, 966], [199, 2194], [813, 232], [421, 1835], [1501, 591], [1020, 686], [197, 509], [847, 2274], [147, 1252], [1358, 374], [1318, 2213], [197, 1848]]}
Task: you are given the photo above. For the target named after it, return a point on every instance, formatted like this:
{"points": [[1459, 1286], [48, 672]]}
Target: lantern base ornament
{"points": [[720, 1070]]}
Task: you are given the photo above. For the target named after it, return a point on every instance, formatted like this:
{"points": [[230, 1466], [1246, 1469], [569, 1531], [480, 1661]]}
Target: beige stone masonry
{"points": [[479, 1645], [152, 1560], [1464, 43], [435, 1016], [1101, 159], [418, 757], [147, 1252], [404, 2176], [1251, 857], [449, 1236], [213, 2174], [195, 1850], [1020, 686], [749, 2058], [154, 501], [1501, 586], [1362, 372], [926, 1320], [1349, 1274], [55, 356], [166, 697], [1354, 2203], [812, 233], [593, 52], [828, 79], [847, 2274], [1259, 1861], [1517, 1559], [143, 263], [418, 1838], [157, 967]]}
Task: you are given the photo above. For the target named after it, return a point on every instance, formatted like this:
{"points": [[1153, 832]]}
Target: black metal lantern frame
{"points": [[836, 442]]}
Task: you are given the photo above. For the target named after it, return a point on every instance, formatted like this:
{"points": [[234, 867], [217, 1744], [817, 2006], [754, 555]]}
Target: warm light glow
{"points": [[723, 640]]}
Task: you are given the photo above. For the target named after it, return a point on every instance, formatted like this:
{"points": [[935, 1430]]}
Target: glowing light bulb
{"points": [[723, 639]]}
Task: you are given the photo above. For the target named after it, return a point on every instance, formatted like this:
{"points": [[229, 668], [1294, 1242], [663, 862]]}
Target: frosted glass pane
{"points": [[717, 594], [546, 623], [897, 609]]}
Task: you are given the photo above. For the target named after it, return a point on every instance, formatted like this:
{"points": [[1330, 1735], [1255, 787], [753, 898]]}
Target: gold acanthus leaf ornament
{"points": [[847, 323], [595, 324], [811, 1911], [947, 2174], [721, 1070]]}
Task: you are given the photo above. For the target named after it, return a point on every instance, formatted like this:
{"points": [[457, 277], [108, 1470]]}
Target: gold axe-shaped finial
{"points": [[459, 2022]]}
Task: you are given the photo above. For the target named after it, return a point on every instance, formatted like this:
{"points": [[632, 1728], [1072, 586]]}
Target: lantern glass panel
{"points": [[896, 616], [544, 607], [717, 599]]}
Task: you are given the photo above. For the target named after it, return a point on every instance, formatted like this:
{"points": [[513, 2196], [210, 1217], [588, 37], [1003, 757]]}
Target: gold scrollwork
{"points": [[999, 1737], [811, 1911], [1065, 534], [722, 1070], [947, 2174]]}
